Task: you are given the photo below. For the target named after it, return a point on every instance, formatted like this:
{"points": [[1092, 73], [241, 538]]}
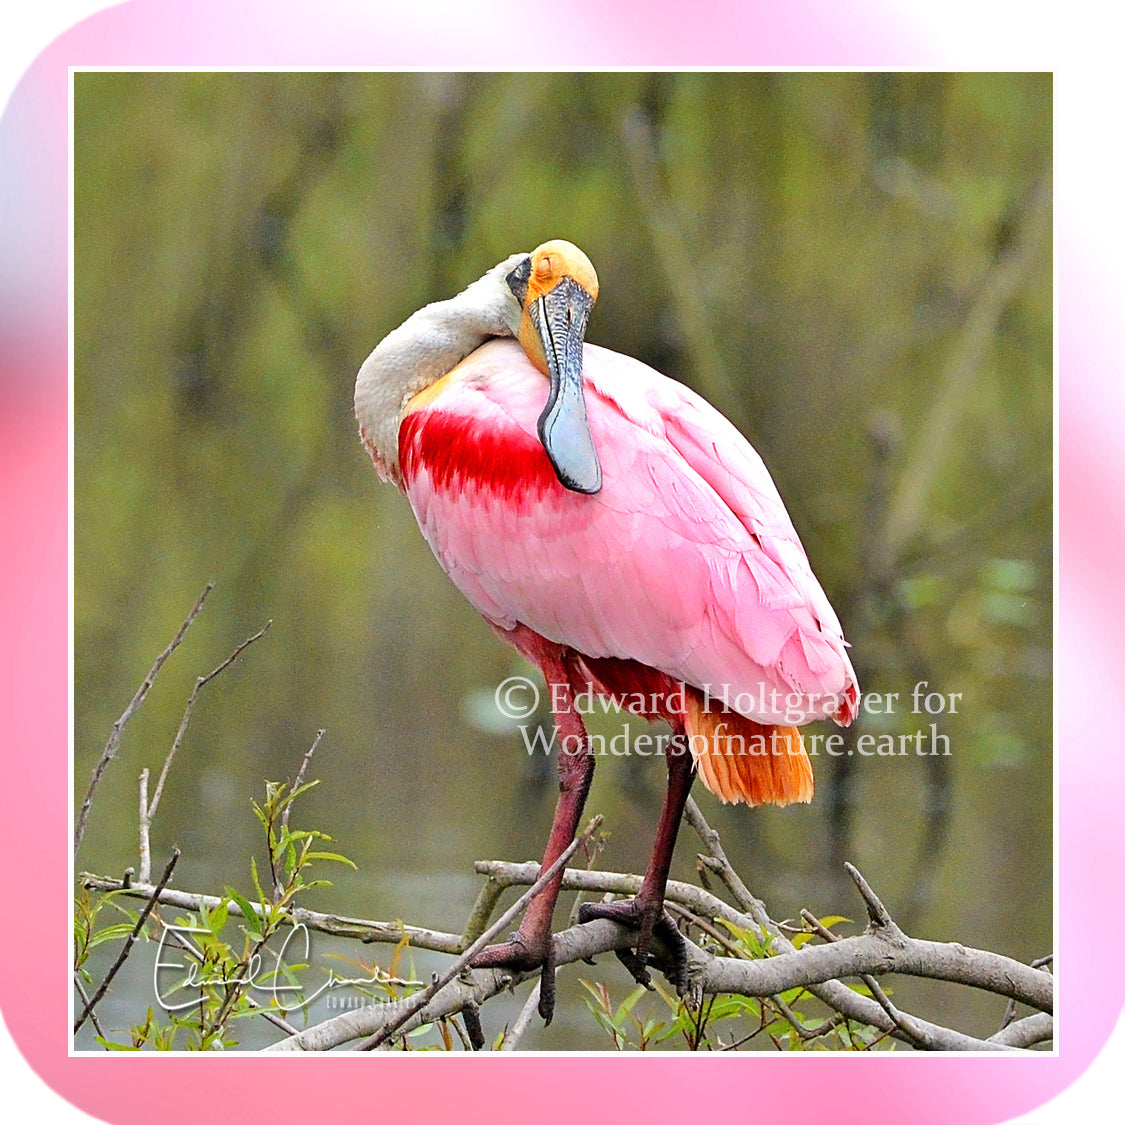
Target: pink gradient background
{"points": [[34, 677]]}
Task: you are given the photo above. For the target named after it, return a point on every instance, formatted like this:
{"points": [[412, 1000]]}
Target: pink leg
{"points": [[646, 913], [530, 946]]}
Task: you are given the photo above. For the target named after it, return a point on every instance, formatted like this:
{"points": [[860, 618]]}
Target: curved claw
{"points": [[647, 921], [523, 957]]}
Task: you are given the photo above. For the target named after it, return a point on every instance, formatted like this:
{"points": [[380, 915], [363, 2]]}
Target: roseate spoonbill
{"points": [[622, 535]]}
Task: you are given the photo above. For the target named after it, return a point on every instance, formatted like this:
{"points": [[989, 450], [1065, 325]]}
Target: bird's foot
{"points": [[522, 955], [647, 919]]}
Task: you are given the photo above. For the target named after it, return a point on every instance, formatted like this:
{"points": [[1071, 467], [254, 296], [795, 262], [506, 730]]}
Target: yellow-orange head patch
{"points": [[553, 261]]}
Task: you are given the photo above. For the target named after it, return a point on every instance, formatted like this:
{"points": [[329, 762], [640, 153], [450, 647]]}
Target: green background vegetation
{"points": [[856, 268]]}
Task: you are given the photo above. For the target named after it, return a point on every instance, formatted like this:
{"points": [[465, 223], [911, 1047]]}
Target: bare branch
{"points": [[722, 866], [115, 731], [756, 978], [872, 952], [876, 911], [1036, 1028], [144, 823], [416, 1002], [150, 812], [694, 898], [357, 929], [819, 969], [86, 1001], [816, 968], [523, 1020], [300, 776], [906, 1025]]}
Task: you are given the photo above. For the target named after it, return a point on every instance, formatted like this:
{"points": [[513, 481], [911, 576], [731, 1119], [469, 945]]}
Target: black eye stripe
{"points": [[518, 279]]}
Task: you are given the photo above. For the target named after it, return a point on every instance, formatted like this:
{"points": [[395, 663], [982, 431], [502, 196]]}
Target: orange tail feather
{"points": [[741, 760]]}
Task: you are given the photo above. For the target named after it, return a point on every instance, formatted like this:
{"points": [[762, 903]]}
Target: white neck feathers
{"points": [[422, 349]]}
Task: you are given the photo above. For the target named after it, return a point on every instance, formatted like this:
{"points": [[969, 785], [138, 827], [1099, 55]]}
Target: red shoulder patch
{"points": [[459, 452]]}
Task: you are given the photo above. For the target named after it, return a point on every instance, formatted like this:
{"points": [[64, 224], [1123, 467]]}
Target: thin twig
{"points": [[818, 926], [463, 1035], [355, 929], [717, 861], [420, 999], [592, 854], [1010, 1009], [722, 866], [300, 777], [470, 1014], [86, 1000], [200, 682], [130, 941], [917, 1034], [115, 731], [701, 923], [523, 1020], [805, 1033], [482, 910], [144, 823], [876, 911], [277, 855]]}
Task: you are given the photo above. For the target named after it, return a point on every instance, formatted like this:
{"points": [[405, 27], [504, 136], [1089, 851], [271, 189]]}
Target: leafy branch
{"points": [[751, 979]]}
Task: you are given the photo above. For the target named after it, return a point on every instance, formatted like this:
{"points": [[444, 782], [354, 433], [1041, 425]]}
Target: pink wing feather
{"points": [[685, 561]]}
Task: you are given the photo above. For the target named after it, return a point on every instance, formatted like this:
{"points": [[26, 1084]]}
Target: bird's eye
{"points": [[544, 267]]}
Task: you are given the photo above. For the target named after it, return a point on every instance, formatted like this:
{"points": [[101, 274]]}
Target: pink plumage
{"points": [[621, 534], [686, 561]]}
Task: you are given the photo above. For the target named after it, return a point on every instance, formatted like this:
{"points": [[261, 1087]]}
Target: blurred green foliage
{"points": [[855, 267]]}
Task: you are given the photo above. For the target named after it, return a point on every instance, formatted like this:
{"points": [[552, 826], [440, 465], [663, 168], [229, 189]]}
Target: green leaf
{"points": [[303, 834], [334, 857], [746, 938], [303, 789], [218, 917], [110, 1045], [249, 916], [627, 1005], [257, 883], [121, 930], [731, 1005], [602, 1017], [261, 815]]}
